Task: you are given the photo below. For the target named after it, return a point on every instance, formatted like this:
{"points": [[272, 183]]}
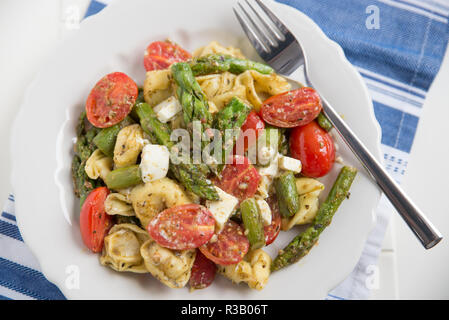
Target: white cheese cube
{"points": [[155, 161], [266, 154], [265, 211], [222, 209], [271, 170], [290, 164], [167, 109]]}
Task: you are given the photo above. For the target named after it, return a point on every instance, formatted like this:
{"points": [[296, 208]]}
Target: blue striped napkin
{"points": [[398, 56]]}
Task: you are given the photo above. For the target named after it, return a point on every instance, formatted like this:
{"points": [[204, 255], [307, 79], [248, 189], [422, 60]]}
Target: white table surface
{"points": [[31, 29]]}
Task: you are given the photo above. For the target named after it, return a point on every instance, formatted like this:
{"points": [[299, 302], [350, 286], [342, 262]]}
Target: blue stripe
{"points": [[4, 298], [11, 199], [335, 297], [10, 230], [421, 8], [8, 216], [27, 281], [393, 85], [398, 127], [94, 8]]}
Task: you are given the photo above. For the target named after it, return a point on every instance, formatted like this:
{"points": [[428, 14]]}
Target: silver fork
{"points": [[281, 50]]}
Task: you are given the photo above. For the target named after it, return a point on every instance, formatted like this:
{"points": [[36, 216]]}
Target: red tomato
{"points": [[183, 227], [94, 221], [239, 178], [252, 122], [160, 55], [230, 247], [111, 100], [272, 231], [314, 147], [293, 108], [203, 272]]}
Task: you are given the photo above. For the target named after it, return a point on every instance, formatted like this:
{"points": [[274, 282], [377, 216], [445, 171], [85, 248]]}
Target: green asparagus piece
{"points": [[218, 63], [253, 223], [192, 177], [324, 122], [287, 194], [106, 138], [152, 126], [83, 148], [123, 178], [304, 242], [191, 96], [231, 118]]}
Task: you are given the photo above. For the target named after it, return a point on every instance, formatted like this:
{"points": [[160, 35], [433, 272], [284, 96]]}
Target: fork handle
{"points": [[415, 219]]}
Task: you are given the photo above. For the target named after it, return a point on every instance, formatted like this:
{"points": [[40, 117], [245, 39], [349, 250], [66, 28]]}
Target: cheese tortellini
{"points": [[215, 47], [121, 249], [98, 165], [309, 190], [158, 86], [254, 270], [153, 197], [130, 141], [171, 267], [250, 86], [117, 203]]}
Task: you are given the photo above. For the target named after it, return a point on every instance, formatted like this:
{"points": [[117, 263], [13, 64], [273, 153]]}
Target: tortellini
{"points": [[158, 86], [153, 197], [309, 190], [215, 47], [98, 165], [254, 270], [130, 141], [171, 267], [250, 86], [121, 249], [117, 203]]}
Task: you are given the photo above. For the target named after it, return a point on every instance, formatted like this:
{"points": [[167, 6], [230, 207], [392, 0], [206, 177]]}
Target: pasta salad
{"points": [[196, 171]]}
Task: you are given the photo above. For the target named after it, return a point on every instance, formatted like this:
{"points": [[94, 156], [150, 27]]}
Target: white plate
{"points": [[114, 40]]}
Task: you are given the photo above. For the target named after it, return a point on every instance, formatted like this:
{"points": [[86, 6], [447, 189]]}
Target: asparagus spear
{"points": [[83, 148], [192, 177], [303, 243], [123, 178], [106, 138], [191, 96], [253, 223], [324, 122], [231, 117], [288, 198], [218, 63]]}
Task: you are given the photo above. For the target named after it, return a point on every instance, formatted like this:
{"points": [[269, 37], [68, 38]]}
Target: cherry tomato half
{"points": [[160, 55], [230, 247], [272, 231], [94, 221], [252, 122], [293, 108], [111, 100], [239, 178], [203, 272], [314, 147], [183, 227]]}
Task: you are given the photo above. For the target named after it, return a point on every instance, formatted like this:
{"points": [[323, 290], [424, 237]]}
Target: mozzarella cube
{"points": [[167, 109], [266, 154], [222, 209], [265, 211], [271, 170], [290, 164], [155, 161]]}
